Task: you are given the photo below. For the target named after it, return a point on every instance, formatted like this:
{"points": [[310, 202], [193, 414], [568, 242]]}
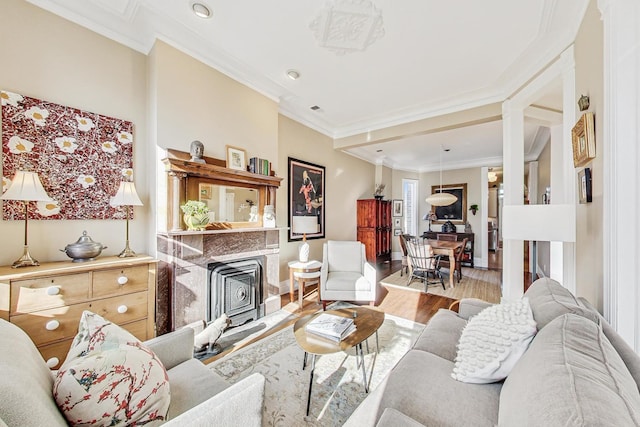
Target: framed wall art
{"points": [[397, 222], [80, 157], [397, 208], [236, 158], [306, 195], [397, 231], [583, 140], [584, 186], [456, 212]]}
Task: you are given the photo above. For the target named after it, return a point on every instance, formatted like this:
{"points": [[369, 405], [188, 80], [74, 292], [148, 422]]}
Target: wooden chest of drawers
{"points": [[47, 301]]}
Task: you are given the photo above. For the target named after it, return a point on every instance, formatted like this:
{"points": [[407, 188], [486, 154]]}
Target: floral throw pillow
{"points": [[110, 378], [493, 341]]}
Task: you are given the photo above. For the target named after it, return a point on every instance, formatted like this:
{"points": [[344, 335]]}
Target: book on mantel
{"points": [[330, 326]]}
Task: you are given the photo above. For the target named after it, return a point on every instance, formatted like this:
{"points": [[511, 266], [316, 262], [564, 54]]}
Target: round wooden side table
{"points": [[303, 272]]}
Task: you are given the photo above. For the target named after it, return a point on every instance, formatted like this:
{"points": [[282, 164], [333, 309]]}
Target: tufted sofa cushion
{"points": [[548, 300], [570, 376]]}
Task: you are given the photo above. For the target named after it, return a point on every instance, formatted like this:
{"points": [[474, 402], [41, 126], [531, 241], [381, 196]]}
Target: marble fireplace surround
{"points": [[184, 258]]}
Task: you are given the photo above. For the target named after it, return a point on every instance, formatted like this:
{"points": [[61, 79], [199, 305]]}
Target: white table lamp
{"points": [[126, 196], [26, 186], [303, 225]]}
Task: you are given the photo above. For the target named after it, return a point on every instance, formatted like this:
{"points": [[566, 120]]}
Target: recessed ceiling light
{"points": [[201, 10], [293, 74]]}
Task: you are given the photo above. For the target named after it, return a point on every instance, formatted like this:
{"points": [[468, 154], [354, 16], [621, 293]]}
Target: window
{"points": [[410, 197]]}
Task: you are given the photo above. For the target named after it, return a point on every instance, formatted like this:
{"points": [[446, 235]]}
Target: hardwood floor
{"points": [[402, 303], [398, 302]]}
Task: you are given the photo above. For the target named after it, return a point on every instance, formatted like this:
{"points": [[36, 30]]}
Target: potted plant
{"points": [[196, 215], [473, 208]]}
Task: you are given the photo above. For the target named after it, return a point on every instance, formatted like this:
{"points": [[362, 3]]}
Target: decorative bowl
{"points": [[84, 249]]}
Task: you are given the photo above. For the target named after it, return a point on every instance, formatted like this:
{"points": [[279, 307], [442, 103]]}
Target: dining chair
{"points": [[424, 264], [403, 247]]}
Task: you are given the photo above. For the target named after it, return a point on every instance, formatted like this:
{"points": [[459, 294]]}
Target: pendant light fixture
{"points": [[441, 199]]}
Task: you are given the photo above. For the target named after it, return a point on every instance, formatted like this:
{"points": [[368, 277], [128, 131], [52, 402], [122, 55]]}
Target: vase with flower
{"points": [[196, 215]]}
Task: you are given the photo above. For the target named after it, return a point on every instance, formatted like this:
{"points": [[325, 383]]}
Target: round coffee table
{"points": [[368, 321]]}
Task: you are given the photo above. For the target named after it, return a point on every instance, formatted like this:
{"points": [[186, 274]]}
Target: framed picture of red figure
{"points": [[306, 195]]}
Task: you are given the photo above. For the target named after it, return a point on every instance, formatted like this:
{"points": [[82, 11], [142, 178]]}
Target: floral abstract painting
{"points": [[81, 157]]}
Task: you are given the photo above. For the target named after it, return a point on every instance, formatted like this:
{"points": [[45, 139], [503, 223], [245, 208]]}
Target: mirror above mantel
{"points": [[236, 199]]}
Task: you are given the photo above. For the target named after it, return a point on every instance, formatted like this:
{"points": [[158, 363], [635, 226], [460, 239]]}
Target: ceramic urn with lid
{"points": [[84, 249]]}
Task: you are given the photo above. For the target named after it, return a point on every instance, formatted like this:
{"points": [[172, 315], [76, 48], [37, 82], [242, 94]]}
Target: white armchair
{"points": [[345, 274]]}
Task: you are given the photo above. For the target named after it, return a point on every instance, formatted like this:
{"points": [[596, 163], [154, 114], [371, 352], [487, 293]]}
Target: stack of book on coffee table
{"points": [[330, 326]]}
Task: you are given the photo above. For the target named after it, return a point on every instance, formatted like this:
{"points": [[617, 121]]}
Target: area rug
{"points": [[337, 388], [475, 283]]}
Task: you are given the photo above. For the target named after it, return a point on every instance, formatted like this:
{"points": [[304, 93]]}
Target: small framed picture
{"points": [[397, 208], [584, 185], [397, 231], [397, 222], [583, 140], [236, 158]]}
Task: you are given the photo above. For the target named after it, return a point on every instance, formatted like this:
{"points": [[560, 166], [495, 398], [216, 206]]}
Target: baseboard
{"points": [[284, 286]]}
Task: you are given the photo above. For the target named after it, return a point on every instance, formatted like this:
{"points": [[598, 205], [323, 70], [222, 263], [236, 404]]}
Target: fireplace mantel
{"points": [[182, 272], [223, 231], [184, 176], [185, 255]]}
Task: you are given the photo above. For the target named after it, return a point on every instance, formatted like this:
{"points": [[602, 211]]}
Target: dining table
{"points": [[447, 248]]}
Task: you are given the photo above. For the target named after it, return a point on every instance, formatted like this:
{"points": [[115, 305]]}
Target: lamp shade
{"points": [[26, 186], [304, 224], [126, 195], [441, 199]]}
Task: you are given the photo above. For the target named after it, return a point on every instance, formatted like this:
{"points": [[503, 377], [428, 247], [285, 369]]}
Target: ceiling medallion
{"points": [[346, 26]]}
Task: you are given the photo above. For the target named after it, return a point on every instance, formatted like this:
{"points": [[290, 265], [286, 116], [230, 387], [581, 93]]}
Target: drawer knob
{"points": [[53, 362], [52, 325], [122, 280], [53, 290], [122, 309]]}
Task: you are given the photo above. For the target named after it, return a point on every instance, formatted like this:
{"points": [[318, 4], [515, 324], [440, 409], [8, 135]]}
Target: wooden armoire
{"points": [[374, 229]]}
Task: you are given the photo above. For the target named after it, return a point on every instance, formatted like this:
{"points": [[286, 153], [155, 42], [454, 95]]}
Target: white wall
{"points": [[192, 101], [50, 58], [347, 180], [589, 217]]}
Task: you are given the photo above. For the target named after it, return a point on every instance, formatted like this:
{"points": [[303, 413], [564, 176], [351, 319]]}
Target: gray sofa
{"points": [[199, 397], [577, 371]]}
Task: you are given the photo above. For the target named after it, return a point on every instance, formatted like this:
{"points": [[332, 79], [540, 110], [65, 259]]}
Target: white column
{"points": [[532, 186], [513, 153], [556, 256], [620, 148], [482, 260], [569, 181]]}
